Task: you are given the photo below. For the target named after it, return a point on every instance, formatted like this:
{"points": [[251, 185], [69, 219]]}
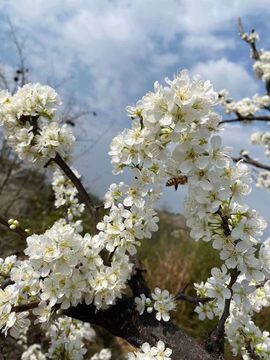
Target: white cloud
{"points": [[123, 45], [207, 43], [208, 16], [227, 74]]}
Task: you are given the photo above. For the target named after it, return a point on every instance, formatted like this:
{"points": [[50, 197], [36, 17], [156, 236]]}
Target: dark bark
{"points": [[83, 195], [123, 321]]}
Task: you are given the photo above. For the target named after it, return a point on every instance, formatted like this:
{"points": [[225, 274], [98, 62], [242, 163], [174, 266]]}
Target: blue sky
{"points": [[109, 52]]}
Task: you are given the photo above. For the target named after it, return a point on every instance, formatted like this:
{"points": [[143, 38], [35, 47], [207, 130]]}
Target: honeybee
{"points": [[176, 181]]}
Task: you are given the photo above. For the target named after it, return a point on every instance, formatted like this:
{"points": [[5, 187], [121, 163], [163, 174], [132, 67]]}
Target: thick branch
{"points": [[123, 321], [84, 196], [138, 284], [19, 231], [25, 307]]}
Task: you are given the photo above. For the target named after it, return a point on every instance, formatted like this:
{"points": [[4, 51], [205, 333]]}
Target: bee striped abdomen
{"points": [[176, 181]]}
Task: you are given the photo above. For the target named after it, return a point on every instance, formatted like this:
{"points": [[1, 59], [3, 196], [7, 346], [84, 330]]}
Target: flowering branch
{"points": [[174, 131], [249, 39], [259, 56], [217, 336]]}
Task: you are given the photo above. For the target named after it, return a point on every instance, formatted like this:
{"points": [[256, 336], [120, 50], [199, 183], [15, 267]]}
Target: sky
{"points": [[107, 54]]}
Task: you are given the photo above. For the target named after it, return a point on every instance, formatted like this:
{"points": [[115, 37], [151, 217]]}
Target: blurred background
{"points": [[102, 55]]}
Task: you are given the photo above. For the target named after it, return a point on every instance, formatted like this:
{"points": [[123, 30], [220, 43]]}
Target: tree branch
{"points": [[25, 307], [84, 196], [217, 336]]}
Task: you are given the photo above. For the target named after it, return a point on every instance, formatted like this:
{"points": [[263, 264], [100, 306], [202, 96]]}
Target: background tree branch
{"points": [[240, 119], [248, 160]]}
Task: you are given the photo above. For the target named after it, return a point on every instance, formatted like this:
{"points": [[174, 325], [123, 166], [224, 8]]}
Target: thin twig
{"points": [[246, 119], [248, 160], [23, 234], [19, 48], [197, 300], [193, 299]]}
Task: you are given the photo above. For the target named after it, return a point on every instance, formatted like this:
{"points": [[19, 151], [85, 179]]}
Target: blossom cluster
{"points": [[261, 138], [158, 352], [33, 352], [66, 340], [6, 265], [161, 301], [31, 123], [263, 180], [262, 66], [104, 354], [245, 107], [245, 337]]}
